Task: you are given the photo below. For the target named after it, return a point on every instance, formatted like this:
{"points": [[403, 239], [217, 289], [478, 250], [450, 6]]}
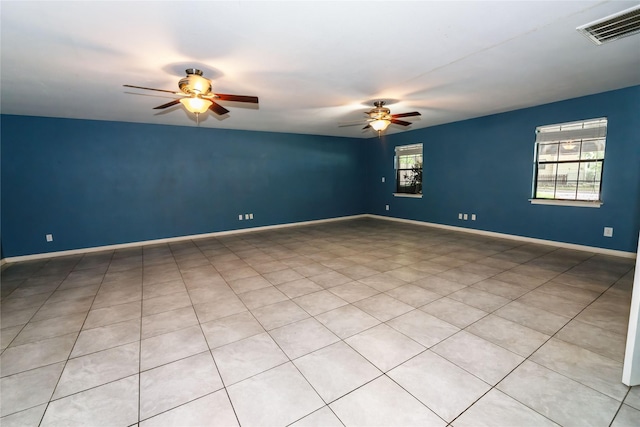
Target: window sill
{"points": [[409, 195], [575, 203]]}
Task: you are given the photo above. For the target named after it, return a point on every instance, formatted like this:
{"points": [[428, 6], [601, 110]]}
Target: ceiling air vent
{"points": [[613, 27]]}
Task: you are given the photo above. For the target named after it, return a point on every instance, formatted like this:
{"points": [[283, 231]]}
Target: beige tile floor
{"points": [[360, 322]]}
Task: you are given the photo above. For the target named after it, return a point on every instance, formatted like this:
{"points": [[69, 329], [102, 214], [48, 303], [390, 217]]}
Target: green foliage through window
{"points": [[409, 167]]}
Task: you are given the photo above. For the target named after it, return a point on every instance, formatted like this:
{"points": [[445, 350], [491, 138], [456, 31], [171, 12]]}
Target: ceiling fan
{"points": [[197, 96], [380, 117]]}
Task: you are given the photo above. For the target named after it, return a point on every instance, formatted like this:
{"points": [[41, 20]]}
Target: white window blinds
{"points": [[407, 150], [590, 129]]}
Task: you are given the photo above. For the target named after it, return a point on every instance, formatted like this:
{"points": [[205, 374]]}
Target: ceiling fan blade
{"points": [[237, 98], [167, 105], [157, 90], [400, 122], [366, 127], [414, 113], [218, 109], [354, 122]]}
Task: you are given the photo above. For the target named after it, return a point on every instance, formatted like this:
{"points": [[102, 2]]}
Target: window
{"points": [[409, 169], [568, 161]]}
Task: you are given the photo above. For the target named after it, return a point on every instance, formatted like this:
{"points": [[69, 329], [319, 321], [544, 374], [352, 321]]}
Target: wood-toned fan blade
{"points": [[167, 105], [366, 127], [237, 98], [413, 113], [400, 122], [150, 88], [218, 109]]}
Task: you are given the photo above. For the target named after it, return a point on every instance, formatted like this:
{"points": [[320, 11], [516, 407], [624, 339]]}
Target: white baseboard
{"points": [[584, 248], [319, 221], [172, 239]]}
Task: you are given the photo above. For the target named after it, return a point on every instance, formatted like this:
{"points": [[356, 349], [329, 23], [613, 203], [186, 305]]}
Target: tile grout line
{"points": [[75, 342], [140, 342], [204, 336]]}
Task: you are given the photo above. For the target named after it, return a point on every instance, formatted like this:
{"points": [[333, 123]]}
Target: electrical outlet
{"points": [[465, 217], [49, 237], [250, 216], [386, 207], [459, 216], [383, 179], [473, 217], [240, 217], [608, 232], [246, 216]]}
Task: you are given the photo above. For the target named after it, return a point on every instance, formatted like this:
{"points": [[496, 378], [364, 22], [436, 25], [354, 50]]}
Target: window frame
{"points": [[408, 150], [578, 132]]}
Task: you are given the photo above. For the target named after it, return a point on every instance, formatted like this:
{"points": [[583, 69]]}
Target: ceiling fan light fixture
{"points": [[379, 125], [196, 105]]}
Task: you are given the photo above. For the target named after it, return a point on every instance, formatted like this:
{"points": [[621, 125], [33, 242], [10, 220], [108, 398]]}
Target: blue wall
{"points": [[484, 166], [95, 183]]}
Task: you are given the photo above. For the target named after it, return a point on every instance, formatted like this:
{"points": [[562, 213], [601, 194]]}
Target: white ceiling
{"points": [[312, 64]]}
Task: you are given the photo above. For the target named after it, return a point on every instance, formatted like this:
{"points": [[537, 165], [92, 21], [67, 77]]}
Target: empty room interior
{"points": [[274, 213]]}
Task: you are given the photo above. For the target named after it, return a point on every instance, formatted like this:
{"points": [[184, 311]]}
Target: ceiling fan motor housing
{"points": [[194, 83], [380, 112]]}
